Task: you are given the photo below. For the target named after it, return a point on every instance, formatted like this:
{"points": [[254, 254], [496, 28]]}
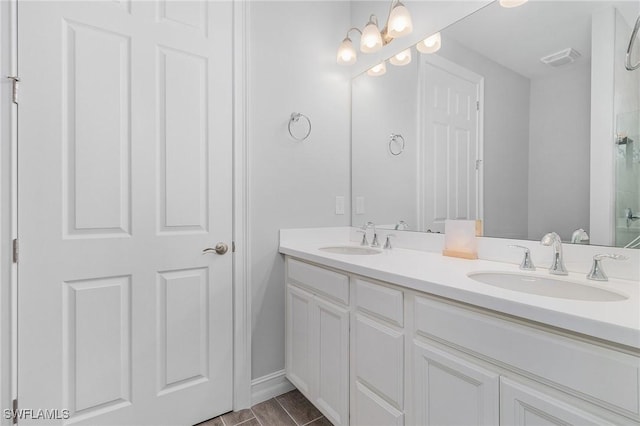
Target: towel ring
{"points": [[634, 35], [295, 117], [395, 139]]}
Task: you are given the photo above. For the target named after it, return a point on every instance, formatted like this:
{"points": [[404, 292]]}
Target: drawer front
{"points": [[605, 375], [380, 301], [379, 359], [323, 281]]}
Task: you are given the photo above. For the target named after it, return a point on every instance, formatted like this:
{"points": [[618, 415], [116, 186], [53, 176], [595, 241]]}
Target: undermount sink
{"points": [[546, 286], [358, 250]]}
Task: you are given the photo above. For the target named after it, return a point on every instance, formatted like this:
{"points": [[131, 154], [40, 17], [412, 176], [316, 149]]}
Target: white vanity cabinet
{"points": [[317, 337], [371, 353]]}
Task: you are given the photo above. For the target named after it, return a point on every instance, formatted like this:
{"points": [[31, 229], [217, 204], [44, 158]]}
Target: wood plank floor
{"points": [[289, 409]]}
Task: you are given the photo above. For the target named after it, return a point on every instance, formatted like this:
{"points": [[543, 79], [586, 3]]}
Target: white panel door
{"points": [[449, 183], [452, 391], [124, 178], [299, 356]]}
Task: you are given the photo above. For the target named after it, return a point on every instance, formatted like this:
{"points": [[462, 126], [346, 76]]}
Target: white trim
{"points": [[8, 225], [241, 271], [269, 386]]}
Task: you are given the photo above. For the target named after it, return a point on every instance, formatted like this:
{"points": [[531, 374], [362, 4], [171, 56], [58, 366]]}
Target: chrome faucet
{"points": [[527, 263], [374, 242], [597, 273], [557, 265], [401, 226], [579, 236]]}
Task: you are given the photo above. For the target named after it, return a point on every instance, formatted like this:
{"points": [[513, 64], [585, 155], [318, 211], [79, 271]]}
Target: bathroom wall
{"points": [[559, 144], [506, 141], [381, 106], [292, 67]]}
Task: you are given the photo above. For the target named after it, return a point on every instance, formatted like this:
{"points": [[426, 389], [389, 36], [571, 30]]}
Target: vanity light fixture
{"points": [[401, 58], [372, 38], [512, 3], [346, 53], [430, 44], [377, 70]]}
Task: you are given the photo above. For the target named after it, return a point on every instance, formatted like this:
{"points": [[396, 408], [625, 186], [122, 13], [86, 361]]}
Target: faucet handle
{"points": [[597, 273], [375, 242], [527, 263], [387, 244], [364, 241]]}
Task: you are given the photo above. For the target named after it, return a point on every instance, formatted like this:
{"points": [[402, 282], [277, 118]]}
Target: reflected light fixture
{"points": [[346, 53], [401, 58], [377, 70], [430, 44], [372, 38], [512, 3]]}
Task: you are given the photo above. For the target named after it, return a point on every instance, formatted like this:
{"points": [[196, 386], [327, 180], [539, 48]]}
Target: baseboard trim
{"points": [[269, 386]]}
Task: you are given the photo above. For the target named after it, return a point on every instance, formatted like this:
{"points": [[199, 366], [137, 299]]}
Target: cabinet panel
{"points": [[378, 360], [380, 301], [451, 391], [523, 406], [323, 281], [612, 377], [299, 352], [371, 410], [333, 362]]}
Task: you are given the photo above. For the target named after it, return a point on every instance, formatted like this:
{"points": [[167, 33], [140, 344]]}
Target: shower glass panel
{"points": [[627, 138]]}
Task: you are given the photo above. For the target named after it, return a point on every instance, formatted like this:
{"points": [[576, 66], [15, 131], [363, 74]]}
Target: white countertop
{"points": [[430, 272]]}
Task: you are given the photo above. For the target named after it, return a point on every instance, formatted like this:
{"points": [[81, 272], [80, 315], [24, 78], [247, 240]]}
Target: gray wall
{"points": [[292, 67], [381, 106], [559, 152]]}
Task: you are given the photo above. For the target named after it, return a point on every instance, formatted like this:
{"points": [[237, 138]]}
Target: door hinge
{"points": [[478, 164], [233, 246], [16, 250], [477, 105], [14, 92], [15, 410]]}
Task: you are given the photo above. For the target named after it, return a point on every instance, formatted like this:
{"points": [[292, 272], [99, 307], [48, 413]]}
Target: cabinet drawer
{"points": [[604, 376], [323, 281], [379, 300]]}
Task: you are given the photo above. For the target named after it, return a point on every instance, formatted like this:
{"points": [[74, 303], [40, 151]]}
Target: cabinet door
{"points": [[299, 351], [521, 405], [449, 390], [332, 338]]}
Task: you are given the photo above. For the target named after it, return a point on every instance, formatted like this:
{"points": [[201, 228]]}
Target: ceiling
{"points": [[518, 37]]}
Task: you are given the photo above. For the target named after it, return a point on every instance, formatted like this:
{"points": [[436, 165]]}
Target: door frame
{"points": [[8, 212], [466, 74]]}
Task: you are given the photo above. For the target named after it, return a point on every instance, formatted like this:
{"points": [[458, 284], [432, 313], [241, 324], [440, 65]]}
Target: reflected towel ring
{"points": [[295, 117], [634, 35], [397, 140]]}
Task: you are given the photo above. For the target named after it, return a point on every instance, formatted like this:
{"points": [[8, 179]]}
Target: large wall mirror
{"points": [[497, 125]]}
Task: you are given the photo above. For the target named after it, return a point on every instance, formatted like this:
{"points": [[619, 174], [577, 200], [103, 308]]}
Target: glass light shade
{"points": [[430, 44], [512, 3], [346, 53], [370, 41], [402, 58], [377, 70], [399, 23]]}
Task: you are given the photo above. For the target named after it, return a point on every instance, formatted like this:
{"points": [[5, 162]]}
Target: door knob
{"points": [[220, 248]]}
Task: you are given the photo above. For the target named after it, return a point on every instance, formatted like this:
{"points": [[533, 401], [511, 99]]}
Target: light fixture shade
{"points": [[401, 58], [377, 70], [399, 23], [370, 41], [430, 44], [346, 53], [512, 3]]}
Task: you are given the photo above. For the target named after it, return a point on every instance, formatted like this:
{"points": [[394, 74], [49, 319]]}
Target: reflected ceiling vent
{"points": [[563, 57]]}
